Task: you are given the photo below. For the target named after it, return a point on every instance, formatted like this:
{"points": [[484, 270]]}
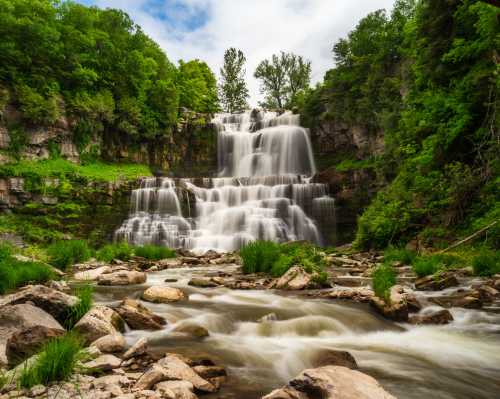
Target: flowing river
{"points": [[457, 361]]}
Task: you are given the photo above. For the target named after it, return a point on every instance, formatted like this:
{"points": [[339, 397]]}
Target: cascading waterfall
{"points": [[263, 191]]}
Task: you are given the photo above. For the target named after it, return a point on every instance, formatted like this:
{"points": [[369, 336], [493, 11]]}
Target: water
{"points": [[457, 361], [262, 191]]}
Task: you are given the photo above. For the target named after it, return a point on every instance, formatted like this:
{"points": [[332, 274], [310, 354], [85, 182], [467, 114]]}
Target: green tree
{"points": [[233, 88]]}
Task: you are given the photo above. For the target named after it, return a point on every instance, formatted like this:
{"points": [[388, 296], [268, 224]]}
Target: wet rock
{"points": [[158, 294], [397, 307], [468, 300], [192, 260], [151, 377], [99, 322], [332, 382], [192, 330], [139, 317], [59, 285], [54, 302], [110, 343], [296, 278], [332, 357], [440, 317], [436, 282], [203, 282], [92, 274], [268, 318], [139, 348], [487, 293], [122, 277], [176, 390], [110, 380], [103, 363], [176, 369], [357, 294], [208, 372]]}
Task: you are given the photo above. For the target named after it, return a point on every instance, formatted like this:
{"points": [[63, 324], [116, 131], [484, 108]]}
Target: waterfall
{"points": [[262, 191]]}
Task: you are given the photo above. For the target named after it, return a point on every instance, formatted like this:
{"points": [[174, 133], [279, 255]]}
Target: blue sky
{"points": [[203, 29]]}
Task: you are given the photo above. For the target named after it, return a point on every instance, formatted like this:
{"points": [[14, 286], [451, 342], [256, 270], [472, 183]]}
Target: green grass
{"points": [[56, 361], [487, 263], [394, 254], [85, 302], [154, 252], [383, 278], [14, 274], [5, 251], [431, 264], [259, 256], [63, 254], [121, 251]]}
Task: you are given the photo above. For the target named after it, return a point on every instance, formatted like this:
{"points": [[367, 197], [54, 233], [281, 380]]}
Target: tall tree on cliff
{"points": [[282, 78], [233, 90]]}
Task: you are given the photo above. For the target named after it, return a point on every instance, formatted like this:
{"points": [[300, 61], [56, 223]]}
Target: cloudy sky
{"points": [[203, 29]]}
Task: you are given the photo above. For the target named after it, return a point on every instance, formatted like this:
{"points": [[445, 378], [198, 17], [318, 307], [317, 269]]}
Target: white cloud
{"points": [[258, 27]]}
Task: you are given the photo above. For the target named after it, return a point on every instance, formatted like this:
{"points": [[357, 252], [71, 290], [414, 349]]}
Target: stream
{"points": [[456, 361]]}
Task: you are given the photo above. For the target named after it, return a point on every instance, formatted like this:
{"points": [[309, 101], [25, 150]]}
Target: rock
{"points": [[150, 378], [26, 342], [22, 323], [357, 294], [331, 382], [441, 317], [192, 330], [469, 300], [332, 357], [202, 282], [54, 302], [208, 372], [158, 294], [104, 363], [92, 274], [139, 317], [110, 343], [99, 322], [110, 380], [176, 369], [139, 348], [397, 308], [488, 293], [436, 282], [122, 277], [295, 278], [176, 390], [268, 318]]}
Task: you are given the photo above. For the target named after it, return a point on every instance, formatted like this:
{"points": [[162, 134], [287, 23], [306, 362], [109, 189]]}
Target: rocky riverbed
{"points": [[195, 326]]}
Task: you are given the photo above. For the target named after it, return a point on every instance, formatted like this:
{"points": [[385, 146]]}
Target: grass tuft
{"points": [[63, 254], [15, 273], [487, 263], [394, 254], [85, 302], [122, 251], [259, 256], [154, 252], [383, 278]]}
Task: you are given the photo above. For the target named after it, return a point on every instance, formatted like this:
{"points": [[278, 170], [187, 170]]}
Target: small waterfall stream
{"points": [[263, 191]]}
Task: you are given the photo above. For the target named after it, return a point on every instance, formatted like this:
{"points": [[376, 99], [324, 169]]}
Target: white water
{"points": [[263, 191]]}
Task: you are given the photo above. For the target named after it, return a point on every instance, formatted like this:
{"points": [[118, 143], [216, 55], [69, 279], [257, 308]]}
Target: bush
{"points": [[259, 256], [427, 265], [63, 254], [14, 273], [56, 362], [5, 251], [154, 252], [383, 278], [405, 256], [84, 294], [487, 263], [121, 251]]}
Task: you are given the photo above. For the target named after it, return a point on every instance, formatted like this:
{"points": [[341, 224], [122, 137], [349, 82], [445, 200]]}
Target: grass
{"points": [[56, 362], [63, 254], [154, 252], [84, 294], [14, 273], [383, 278], [259, 256], [122, 251], [394, 254], [431, 264], [487, 263]]}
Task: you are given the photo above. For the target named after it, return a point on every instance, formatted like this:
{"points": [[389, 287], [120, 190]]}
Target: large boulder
{"points": [[442, 316], [103, 363], [401, 301], [139, 317], [159, 294], [331, 357], [175, 390], [92, 274], [436, 282], [176, 369], [331, 382], [122, 277], [296, 278], [99, 322], [54, 302], [23, 328], [110, 343]]}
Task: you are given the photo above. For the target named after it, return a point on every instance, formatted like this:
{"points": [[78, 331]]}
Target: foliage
{"points": [[283, 78], [121, 251], [85, 301], [15, 273], [403, 255], [431, 264], [63, 254], [56, 362], [233, 91], [487, 263], [383, 278], [154, 252], [259, 256]]}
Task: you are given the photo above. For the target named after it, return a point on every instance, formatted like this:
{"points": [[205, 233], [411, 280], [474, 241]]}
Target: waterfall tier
{"points": [[263, 191]]}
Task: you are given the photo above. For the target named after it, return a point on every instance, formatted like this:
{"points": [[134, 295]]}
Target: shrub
{"points": [[85, 301], [56, 362], [383, 278], [5, 251], [14, 273], [259, 256], [426, 265], [66, 253], [121, 251], [154, 252], [393, 254], [487, 263]]}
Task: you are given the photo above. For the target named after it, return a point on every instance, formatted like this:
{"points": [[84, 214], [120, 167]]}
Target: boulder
{"points": [[208, 372], [203, 282], [122, 277], [441, 317], [331, 382], [54, 302], [151, 377], [175, 390], [110, 343], [92, 274], [176, 369], [103, 363], [296, 278], [397, 307], [159, 294], [139, 348], [330, 357], [436, 282], [139, 317], [99, 322], [192, 330]]}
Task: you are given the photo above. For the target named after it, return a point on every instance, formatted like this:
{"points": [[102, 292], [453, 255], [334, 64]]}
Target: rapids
{"points": [[457, 361]]}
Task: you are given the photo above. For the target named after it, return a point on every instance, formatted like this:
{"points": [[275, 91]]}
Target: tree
{"points": [[233, 90], [282, 78]]}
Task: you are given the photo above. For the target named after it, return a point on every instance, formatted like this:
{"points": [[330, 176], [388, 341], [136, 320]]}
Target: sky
{"points": [[204, 29]]}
